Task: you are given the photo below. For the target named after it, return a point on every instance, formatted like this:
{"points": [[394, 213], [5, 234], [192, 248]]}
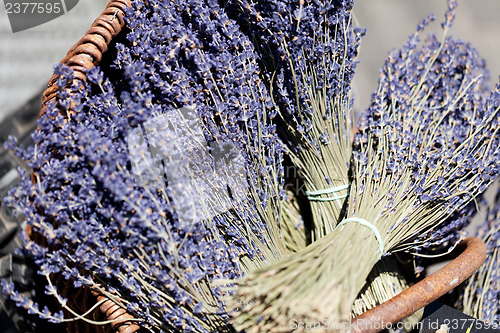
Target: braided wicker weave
{"points": [[87, 52]]}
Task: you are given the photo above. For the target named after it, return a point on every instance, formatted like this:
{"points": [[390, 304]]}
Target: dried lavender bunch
{"points": [[125, 233], [481, 293], [384, 281], [426, 147], [308, 52]]}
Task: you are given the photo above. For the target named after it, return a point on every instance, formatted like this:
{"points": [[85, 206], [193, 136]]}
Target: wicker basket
{"points": [[86, 54]]}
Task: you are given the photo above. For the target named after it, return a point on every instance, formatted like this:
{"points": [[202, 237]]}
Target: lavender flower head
{"points": [[135, 190]]}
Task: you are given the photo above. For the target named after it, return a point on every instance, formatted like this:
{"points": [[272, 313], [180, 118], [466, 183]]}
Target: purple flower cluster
{"points": [[306, 48], [105, 230], [450, 14], [433, 118], [30, 306]]}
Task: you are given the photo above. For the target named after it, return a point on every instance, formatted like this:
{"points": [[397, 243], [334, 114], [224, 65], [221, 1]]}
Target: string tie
{"points": [[370, 226], [314, 195]]}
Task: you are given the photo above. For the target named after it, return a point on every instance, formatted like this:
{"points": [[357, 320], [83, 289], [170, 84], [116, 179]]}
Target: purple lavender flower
{"points": [[450, 14], [308, 49], [297, 37], [432, 102]]}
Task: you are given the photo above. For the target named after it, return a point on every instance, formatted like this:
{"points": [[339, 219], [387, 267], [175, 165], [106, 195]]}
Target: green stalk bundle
{"points": [[474, 301], [383, 283], [323, 167]]}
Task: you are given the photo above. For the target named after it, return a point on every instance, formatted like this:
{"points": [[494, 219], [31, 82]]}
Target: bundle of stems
{"points": [[425, 149], [187, 108], [324, 166], [383, 283]]}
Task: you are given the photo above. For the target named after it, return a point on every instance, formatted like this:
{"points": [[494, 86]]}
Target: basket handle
{"points": [[87, 52], [425, 291]]}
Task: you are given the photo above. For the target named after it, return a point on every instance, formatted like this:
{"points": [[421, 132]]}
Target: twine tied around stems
{"points": [[314, 195], [371, 227]]}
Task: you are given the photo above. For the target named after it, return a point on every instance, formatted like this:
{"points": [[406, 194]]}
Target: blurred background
{"points": [[390, 22], [27, 59]]}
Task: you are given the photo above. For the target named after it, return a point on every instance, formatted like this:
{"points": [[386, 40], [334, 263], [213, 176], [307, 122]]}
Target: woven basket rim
{"points": [[87, 52]]}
